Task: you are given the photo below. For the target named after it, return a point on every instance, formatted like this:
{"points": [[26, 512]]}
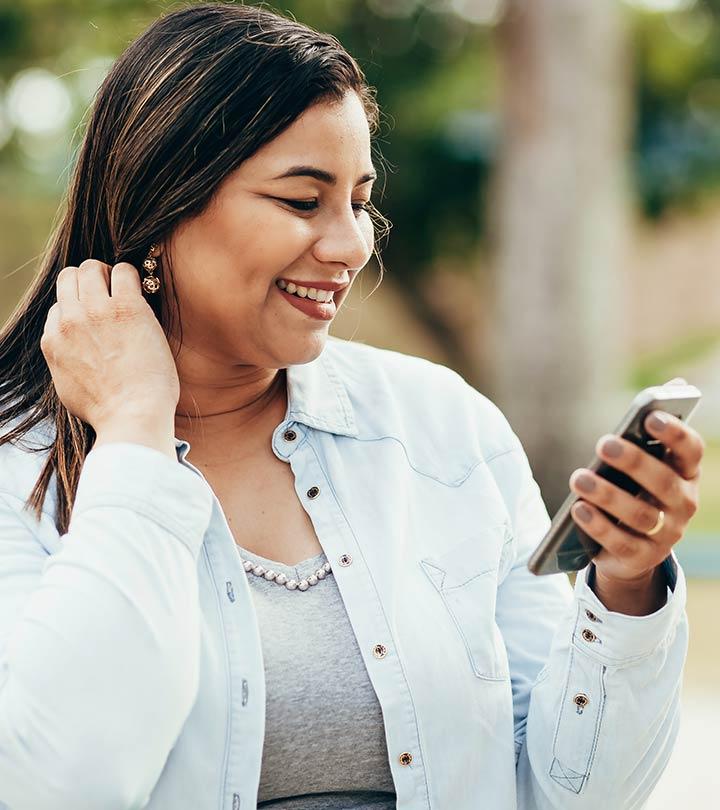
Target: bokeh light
{"points": [[38, 102]]}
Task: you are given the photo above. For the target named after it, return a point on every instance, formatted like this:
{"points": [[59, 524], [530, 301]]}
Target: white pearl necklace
{"points": [[281, 579]]}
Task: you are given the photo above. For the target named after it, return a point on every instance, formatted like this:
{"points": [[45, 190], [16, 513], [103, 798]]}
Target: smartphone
{"points": [[566, 547]]}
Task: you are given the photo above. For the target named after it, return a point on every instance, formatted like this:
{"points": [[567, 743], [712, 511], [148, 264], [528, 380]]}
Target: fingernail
{"points": [[585, 482], [657, 421], [612, 448], [582, 513]]}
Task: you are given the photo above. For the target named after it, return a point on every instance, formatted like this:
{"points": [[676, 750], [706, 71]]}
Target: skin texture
{"points": [[628, 579], [237, 329]]}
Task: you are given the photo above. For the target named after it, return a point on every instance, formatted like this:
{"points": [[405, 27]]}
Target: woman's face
{"points": [[263, 227]]}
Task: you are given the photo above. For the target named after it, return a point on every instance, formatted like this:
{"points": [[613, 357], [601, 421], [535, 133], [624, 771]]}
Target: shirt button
{"points": [[379, 651], [290, 435], [345, 559], [581, 700], [405, 758], [313, 492], [588, 635], [591, 616]]}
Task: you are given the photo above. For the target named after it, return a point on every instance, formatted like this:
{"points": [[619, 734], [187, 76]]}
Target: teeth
{"points": [[321, 296]]}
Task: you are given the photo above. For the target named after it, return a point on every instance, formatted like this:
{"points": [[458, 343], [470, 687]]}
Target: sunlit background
{"points": [[552, 170]]}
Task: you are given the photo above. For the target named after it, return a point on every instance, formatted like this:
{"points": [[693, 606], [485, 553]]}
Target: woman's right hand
{"points": [[108, 355]]}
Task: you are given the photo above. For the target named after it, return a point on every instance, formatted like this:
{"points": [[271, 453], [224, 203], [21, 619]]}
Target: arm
{"points": [[611, 751], [101, 638]]}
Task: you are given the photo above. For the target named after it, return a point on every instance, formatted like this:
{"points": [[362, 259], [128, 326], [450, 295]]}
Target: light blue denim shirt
{"points": [[131, 669]]}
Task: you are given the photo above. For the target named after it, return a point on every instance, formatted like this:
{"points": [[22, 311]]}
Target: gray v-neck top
{"points": [[324, 741]]}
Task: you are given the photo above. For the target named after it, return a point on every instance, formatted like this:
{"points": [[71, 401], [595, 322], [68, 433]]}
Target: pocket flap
{"points": [[476, 555]]}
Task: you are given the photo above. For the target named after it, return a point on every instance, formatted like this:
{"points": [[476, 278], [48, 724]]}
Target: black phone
{"points": [[566, 547]]}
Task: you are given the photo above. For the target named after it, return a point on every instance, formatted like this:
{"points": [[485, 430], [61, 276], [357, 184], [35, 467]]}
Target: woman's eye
{"points": [[311, 205], [302, 205]]}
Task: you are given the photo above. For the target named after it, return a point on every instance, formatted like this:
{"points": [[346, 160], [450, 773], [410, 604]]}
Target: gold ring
{"points": [[660, 523]]}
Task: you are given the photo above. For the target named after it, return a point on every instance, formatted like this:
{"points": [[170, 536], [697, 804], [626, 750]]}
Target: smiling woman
{"points": [[239, 184], [277, 569]]}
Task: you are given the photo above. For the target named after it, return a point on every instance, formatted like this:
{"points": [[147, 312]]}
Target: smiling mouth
{"points": [[307, 293]]}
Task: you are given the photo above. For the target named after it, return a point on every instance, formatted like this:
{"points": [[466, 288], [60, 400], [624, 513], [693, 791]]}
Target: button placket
{"points": [[308, 467]]}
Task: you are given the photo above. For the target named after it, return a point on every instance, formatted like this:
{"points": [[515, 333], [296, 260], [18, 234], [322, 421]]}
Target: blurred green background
{"points": [[552, 171]]}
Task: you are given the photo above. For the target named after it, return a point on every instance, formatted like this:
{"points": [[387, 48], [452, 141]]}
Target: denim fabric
{"points": [[131, 670]]}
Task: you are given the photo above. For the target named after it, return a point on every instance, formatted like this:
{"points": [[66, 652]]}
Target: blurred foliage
{"points": [[704, 526], [676, 147], [670, 361], [435, 69]]}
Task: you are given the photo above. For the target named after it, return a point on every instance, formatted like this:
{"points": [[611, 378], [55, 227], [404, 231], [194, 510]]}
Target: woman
{"points": [[276, 568]]}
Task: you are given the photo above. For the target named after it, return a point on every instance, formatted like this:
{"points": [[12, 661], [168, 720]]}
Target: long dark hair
{"points": [[196, 94]]}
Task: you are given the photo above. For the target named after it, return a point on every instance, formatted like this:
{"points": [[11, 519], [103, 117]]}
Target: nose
{"points": [[345, 237]]}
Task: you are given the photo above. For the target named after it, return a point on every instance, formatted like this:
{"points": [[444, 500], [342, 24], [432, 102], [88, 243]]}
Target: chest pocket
{"points": [[466, 579]]}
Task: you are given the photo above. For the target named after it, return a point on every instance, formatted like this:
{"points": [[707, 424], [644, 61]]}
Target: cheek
{"points": [[268, 238]]}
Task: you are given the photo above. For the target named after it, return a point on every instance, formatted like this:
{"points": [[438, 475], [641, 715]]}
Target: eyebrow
{"points": [[322, 175]]}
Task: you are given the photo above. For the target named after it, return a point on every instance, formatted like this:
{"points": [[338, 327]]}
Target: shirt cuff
{"points": [[616, 638], [147, 481]]}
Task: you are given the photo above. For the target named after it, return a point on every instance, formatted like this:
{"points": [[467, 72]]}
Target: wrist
{"points": [[155, 432], [637, 597]]}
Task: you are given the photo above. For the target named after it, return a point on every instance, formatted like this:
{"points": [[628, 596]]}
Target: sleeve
{"points": [[102, 637], [596, 693]]}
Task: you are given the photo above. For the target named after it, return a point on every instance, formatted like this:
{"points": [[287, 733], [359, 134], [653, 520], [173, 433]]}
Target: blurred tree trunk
{"points": [[558, 219]]}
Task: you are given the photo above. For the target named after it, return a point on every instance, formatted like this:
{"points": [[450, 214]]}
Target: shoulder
{"points": [[418, 398]]}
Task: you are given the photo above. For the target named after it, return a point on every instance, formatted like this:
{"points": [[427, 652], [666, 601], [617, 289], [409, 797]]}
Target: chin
{"points": [[305, 351]]}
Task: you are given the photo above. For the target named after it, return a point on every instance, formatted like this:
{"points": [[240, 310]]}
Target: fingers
{"points": [[125, 281], [686, 444], [654, 476], [638, 553], [66, 286], [634, 512], [93, 280]]}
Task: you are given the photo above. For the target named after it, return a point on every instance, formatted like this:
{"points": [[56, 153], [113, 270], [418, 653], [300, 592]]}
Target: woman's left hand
{"points": [[629, 555]]}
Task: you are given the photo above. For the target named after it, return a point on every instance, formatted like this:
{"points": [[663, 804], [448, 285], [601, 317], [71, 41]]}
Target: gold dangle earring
{"points": [[150, 283]]}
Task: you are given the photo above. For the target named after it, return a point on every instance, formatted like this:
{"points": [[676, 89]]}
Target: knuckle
{"points": [[668, 486], [89, 264], [690, 505], [604, 497], [675, 535], [124, 310], [682, 434], [602, 530], [69, 320], [67, 270], [125, 267], [66, 326], [644, 518], [635, 459], [624, 547], [95, 312]]}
